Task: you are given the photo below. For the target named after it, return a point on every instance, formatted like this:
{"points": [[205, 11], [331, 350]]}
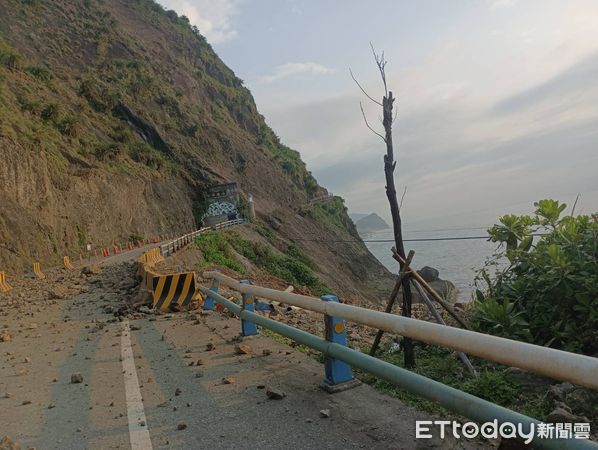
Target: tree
{"points": [[387, 105]]}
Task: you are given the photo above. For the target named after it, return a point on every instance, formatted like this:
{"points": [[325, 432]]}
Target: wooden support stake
{"points": [[391, 300], [462, 356], [431, 291]]}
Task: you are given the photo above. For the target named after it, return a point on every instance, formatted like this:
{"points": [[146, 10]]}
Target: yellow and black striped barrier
{"points": [[66, 261], [37, 270], [4, 286], [173, 289]]}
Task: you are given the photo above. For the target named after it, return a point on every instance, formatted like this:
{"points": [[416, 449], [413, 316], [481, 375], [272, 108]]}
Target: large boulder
{"points": [[428, 273]]}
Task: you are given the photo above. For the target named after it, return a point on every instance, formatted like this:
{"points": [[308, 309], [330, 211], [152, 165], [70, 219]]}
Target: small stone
{"points": [[8, 444], [76, 378], [325, 413], [51, 406], [266, 352], [27, 359], [275, 394], [261, 386], [309, 420], [242, 349], [5, 336], [26, 402], [181, 426], [178, 391], [210, 347], [228, 380], [111, 404], [199, 375]]}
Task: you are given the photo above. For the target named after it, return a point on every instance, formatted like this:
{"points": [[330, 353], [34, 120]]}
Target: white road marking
{"points": [[138, 430]]}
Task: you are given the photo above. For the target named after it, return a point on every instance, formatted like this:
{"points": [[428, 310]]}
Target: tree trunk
{"points": [[391, 194]]}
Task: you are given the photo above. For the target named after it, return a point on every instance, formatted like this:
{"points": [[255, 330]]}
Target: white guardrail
{"points": [[176, 244], [572, 367]]}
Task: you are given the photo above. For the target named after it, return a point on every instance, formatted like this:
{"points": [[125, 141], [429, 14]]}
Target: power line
{"points": [[449, 238]]}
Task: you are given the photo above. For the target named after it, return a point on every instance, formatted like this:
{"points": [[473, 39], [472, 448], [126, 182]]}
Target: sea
{"points": [[456, 260]]}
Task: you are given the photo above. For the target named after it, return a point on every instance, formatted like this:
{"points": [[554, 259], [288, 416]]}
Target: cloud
{"points": [[295, 69], [214, 19], [574, 82], [502, 4]]}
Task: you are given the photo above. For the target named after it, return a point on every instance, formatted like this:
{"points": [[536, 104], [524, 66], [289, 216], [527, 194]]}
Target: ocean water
{"points": [[456, 260]]}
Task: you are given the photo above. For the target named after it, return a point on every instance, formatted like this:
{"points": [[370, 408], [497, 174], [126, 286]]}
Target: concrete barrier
{"points": [[37, 270], [66, 261], [4, 286]]}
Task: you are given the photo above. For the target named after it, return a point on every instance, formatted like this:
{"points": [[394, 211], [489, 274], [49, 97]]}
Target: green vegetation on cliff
{"points": [[291, 265]]}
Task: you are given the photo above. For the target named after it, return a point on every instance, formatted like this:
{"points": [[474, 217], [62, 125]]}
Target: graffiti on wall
{"points": [[220, 208]]}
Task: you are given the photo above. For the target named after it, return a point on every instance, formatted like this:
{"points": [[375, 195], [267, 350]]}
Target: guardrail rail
{"points": [[557, 364]]}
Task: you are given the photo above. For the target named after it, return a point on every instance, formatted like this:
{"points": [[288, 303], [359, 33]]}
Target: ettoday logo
{"points": [[506, 430]]}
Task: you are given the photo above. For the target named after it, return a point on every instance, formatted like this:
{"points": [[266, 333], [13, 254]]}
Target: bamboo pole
{"points": [[393, 296], [462, 356], [431, 291]]}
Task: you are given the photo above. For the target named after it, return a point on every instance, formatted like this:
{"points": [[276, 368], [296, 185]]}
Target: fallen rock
{"points": [[559, 391], [429, 273], [58, 293], [275, 394], [210, 347], [178, 391], [561, 415], [76, 378], [228, 380], [266, 352], [5, 336], [91, 270], [181, 426], [8, 444], [325, 413], [242, 349]]}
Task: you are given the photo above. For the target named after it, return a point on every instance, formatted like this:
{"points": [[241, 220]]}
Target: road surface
{"points": [[158, 381]]}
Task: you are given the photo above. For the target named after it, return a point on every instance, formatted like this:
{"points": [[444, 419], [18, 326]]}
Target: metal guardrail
{"points": [[578, 369], [176, 244], [452, 399]]}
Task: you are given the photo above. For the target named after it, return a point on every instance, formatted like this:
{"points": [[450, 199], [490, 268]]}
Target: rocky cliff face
{"points": [[116, 115]]}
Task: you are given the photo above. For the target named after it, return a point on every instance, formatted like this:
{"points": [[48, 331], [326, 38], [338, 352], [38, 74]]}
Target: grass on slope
{"points": [[292, 266]]}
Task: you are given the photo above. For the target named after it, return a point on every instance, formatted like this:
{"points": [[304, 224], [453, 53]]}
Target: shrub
{"points": [[39, 72], [49, 111], [547, 293], [67, 125], [9, 57]]}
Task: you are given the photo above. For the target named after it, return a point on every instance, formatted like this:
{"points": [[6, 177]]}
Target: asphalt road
{"points": [[151, 381]]}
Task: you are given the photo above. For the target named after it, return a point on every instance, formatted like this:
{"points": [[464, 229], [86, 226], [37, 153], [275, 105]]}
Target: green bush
{"points": [[547, 292], [39, 72], [215, 249], [9, 57]]}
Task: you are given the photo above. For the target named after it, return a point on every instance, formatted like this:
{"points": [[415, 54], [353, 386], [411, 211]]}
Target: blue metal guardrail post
{"points": [[338, 374], [208, 303], [248, 328]]}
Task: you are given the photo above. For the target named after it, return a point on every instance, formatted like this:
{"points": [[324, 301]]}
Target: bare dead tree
{"points": [[391, 193]]}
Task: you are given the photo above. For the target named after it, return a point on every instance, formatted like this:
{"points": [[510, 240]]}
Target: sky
{"points": [[497, 100]]}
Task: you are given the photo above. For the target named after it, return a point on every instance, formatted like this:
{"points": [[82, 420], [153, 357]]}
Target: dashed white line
{"points": [[138, 429]]}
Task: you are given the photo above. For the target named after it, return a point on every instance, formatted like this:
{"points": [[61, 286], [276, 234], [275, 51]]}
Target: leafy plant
{"points": [[548, 292]]}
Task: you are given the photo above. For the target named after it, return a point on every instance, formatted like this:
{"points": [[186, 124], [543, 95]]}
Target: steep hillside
{"points": [[115, 116]]}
